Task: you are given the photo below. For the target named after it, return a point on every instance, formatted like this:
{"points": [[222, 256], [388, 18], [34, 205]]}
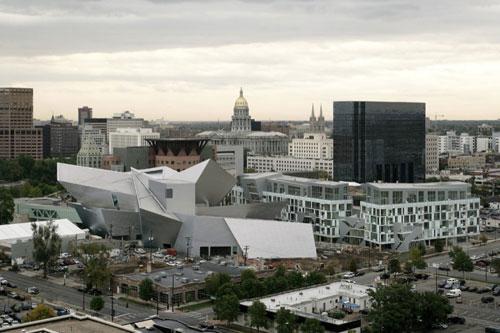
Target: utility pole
{"points": [[172, 293], [157, 301], [436, 280], [112, 300], [245, 254], [188, 246]]}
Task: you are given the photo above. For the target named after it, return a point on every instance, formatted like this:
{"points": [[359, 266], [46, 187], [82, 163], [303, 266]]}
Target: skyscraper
{"points": [[379, 141], [84, 113], [17, 134]]}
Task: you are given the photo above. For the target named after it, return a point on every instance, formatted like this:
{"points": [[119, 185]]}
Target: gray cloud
{"points": [[31, 27]]}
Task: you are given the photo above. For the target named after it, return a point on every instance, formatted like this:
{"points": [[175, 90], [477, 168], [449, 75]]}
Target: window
{"points": [[441, 196], [431, 196], [397, 197], [169, 193]]}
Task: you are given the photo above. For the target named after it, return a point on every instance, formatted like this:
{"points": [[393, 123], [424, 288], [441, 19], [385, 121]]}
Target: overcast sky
{"points": [[186, 60]]}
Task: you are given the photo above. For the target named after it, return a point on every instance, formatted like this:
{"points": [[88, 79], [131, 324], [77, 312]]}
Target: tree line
{"points": [[39, 176]]}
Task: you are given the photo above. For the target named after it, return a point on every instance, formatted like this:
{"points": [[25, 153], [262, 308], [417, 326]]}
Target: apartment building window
{"points": [[397, 197], [169, 193], [384, 197], [441, 196], [431, 196]]}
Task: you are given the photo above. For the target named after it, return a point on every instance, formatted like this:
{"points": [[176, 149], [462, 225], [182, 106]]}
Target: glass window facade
{"points": [[379, 141]]}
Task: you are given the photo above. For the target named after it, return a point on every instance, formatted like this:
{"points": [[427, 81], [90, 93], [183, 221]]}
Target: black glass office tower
{"points": [[379, 141]]}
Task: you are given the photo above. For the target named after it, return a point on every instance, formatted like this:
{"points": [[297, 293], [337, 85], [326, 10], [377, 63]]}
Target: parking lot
{"points": [[478, 314]]}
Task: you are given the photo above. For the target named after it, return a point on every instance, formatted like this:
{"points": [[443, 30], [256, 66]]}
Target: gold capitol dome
{"points": [[241, 101]]}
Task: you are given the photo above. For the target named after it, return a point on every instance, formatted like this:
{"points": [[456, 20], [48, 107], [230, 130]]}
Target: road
{"points": [[72, 298]]}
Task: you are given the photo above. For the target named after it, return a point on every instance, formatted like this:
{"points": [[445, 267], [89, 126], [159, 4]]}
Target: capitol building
{"points": [[241, 134]]}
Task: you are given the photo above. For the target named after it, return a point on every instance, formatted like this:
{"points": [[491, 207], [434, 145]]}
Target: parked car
{"points": [[496, 292], [454, 293], [487, 299], [11, 285], [33, 290], [442, 284], [483, 290], [444, 267], [473, 289], [349, 275], [360, 273], [378, 268]]}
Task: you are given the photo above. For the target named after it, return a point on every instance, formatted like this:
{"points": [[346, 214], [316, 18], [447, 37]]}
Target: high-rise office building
{"points": [[17, 134], [379, 141], [84, 113]]}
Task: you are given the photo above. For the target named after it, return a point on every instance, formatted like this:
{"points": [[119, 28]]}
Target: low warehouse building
{"points": [[316, 303]]}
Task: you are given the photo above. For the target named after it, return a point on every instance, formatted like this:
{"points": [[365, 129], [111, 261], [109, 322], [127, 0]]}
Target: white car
{"points": [[4, 282], [452, 281], [454, 293], [349, 275], [348, 281]]}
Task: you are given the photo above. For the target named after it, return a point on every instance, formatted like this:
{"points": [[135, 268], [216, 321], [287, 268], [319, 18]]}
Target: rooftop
{"points": [[164, 277], [417, 186], [308, 181], [302, 296], [69, 323]]}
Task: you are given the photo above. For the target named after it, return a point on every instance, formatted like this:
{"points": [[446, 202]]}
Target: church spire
{"points": [[321, 111], [241, 92], [312, 112]]}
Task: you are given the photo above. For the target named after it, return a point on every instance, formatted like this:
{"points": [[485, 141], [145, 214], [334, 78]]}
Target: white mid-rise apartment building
{"points": [[288, 164], [450, 143], [483, 144], [313, 146], [467, 143], [431, 153], [130, 137], [397, 215], [323, 204]]}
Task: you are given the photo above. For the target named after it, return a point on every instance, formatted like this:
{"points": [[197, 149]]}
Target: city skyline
{"points": [[186, 60]]}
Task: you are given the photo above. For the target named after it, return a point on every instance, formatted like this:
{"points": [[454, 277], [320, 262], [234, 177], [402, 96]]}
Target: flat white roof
{"points": [[416, 186], [273, 239], [11, 233], [304, 296]]}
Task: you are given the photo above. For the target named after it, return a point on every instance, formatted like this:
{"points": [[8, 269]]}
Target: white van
{"points": [[452, 281], [454, 293]]}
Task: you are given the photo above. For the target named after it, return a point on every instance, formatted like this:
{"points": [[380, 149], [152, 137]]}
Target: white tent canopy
{"points": [[11, 233]]}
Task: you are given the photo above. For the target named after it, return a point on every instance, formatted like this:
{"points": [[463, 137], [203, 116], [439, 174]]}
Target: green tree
{"points": [[97, 303], [227, 308], [434, 308], [396, 308], [295, 279], [495, 264], [6, 206], [483, 238], [330, 269], [312, 326], [214, 281], [353, 265], [394, 266], [461, 260], [393, 309], [146, 290], [285, 321], [95, 258], [41, 311], [313, 278], [229, 288], [46, 245], [416, 259], [439, 245], [258, 315]]}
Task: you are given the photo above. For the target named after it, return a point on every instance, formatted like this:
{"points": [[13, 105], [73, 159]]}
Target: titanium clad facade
{"points": [[379, 141]]}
